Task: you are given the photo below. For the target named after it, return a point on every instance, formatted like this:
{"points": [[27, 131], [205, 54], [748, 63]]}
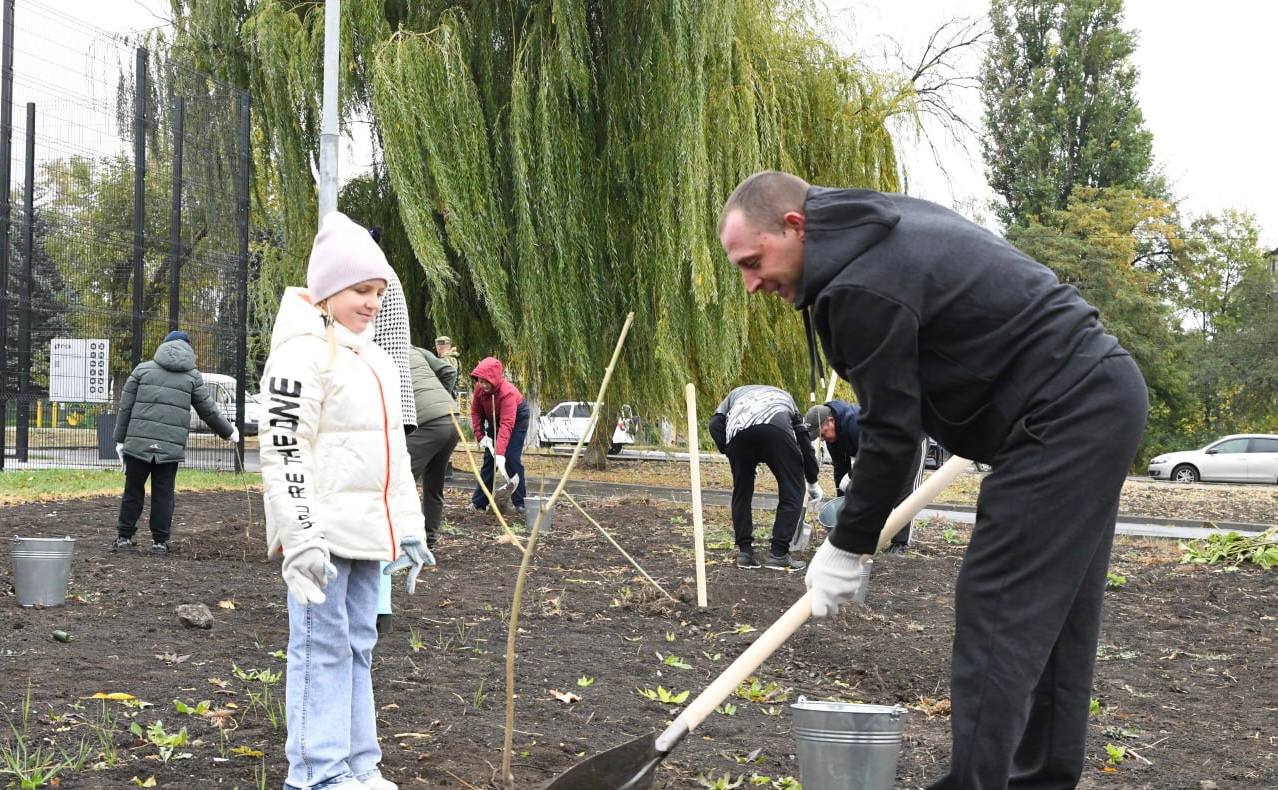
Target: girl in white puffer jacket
{"points": [[339, 497]]}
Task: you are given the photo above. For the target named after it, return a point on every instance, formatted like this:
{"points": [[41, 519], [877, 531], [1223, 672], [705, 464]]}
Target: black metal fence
{"points": [[123, 214]]}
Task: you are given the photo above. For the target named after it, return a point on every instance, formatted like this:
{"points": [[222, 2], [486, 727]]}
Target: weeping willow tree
{"points": [[551, 165]]}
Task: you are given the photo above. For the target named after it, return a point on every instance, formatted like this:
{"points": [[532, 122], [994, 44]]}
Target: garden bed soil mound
{"points": [[1187, 679]]}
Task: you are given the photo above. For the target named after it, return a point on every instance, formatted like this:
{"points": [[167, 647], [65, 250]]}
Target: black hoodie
{"points": [[942, 327]]}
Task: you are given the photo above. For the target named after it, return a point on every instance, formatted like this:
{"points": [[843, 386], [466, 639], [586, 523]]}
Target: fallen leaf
{"points": [[219, 682], [246, 751], [150, 781], [114, 696], [227, 604], [566, 697]]}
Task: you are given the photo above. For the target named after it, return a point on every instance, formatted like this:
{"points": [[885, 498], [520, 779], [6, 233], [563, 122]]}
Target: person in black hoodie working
{"points": [[835, 422], [757, 424], [944, 328]]}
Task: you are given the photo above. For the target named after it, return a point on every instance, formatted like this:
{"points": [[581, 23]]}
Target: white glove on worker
{"points": [[234, 438], [845, 484], [815, 494], [413, 555], [499, 465], [836, 577], [307, 571], [486, 444]]}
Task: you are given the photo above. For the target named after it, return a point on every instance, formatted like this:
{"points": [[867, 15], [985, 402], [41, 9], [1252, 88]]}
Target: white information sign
{"points": [[78, 370]]}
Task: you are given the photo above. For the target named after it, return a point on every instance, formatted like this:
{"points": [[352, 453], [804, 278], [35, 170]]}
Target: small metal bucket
{"points": [[533, 506], [844, 746], [41, 569], [828, 515]]}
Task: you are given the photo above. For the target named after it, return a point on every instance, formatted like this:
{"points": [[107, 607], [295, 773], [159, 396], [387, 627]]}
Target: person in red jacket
{"points": [[499, 418]]}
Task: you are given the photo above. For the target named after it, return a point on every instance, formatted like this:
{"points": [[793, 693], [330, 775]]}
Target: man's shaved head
{"points": [[764, 199]]}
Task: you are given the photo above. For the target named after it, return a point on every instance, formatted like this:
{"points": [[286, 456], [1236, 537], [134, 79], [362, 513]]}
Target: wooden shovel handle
{"points": [[798, 614]]}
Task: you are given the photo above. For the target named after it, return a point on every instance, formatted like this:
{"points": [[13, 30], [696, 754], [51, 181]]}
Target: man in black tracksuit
{"points": [[944, 328], [760, 424]]}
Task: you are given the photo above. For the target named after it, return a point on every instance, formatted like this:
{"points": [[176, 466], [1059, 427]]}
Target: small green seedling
{"points": [[951, 536], [585, 681], [725, 782], [674, 661], [164, 742], [663, 696], [198, 709], [1115, 581], [415, 640], [755, 691], [727, 709], [1094, 707], [1115, 754]]}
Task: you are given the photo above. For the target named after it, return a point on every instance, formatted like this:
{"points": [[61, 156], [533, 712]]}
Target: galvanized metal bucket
{"points": [[846, 746], [828, 515], [533, 506], [41, 569]]}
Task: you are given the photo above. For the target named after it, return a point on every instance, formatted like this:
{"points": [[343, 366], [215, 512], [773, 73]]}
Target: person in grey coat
{"points": [[431, 445], [150, 435]]}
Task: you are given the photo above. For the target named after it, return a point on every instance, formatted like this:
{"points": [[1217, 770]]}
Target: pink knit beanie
{"points": [[343, 254]]}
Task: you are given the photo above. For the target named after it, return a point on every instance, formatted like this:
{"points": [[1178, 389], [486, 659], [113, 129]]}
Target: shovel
{"points": [[631, 765]]}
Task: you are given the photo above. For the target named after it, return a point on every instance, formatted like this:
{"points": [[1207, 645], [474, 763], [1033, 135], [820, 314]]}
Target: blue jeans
{"points": [[332, 724], [514, 461]]}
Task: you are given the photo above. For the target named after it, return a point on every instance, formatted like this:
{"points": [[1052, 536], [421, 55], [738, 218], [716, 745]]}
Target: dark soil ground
{"points": [[1187, 680]]}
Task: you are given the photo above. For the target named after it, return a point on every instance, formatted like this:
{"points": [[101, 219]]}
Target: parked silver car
{"points": [[1241, 458]]}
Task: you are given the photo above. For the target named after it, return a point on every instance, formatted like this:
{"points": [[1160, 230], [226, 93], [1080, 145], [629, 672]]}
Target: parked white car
{"points": [[222, 390], [565, 424], [1242, 458]]}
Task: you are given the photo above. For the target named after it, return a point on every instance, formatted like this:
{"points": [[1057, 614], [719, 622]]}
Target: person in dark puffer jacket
{"points": [[151, 431]]}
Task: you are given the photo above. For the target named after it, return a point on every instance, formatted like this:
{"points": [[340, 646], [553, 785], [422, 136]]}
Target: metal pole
{"points": [[24, 300], [139, 197], [6, 151], [328, 119], [241, 320], [175, 217]]}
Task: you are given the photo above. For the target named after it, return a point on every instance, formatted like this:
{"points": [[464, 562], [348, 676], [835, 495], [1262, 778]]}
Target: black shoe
{"points": [[430, 542], [384, 626], [896, 549], [785, 562], [746, 559], [124, 545], [160, 549]]}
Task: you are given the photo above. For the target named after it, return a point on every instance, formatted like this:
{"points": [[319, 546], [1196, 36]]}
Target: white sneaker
{"points": [[376, 782], [350, 784]]}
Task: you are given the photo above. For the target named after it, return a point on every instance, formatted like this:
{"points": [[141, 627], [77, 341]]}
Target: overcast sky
{"points": [[1204, 89]]}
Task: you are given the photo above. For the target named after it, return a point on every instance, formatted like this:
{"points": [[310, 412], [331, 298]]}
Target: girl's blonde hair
{"points": [[326, 310]]}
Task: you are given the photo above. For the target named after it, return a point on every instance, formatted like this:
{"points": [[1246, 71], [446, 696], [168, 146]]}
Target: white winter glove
{"points": [[307, 571], [499, 464], [815, 494], [413, 555], [119, 453], [845, 484], [234, 438], [486, 444], [836, 577]]}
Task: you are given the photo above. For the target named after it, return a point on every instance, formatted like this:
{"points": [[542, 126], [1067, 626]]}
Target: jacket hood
{"points": [[839, 226], [175, 355], [490, 369], [298, 317]]}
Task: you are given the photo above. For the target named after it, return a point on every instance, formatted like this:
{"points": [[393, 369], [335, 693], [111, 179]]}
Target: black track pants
{"points": [[1029, 593], [771, 445]]}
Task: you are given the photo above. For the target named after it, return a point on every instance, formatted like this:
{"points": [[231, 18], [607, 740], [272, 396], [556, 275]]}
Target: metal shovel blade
{"points": [[629, 766]]}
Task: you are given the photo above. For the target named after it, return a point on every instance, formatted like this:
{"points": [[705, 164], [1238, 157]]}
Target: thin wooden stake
{"points": [[694, 467], [617, 546], [507, 751]]}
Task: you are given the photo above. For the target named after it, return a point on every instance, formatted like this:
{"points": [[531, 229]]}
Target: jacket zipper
{"points": [[386, 439]]}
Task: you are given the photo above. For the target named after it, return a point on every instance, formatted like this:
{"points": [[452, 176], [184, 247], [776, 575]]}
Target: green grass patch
{"points": [[38, 485]]}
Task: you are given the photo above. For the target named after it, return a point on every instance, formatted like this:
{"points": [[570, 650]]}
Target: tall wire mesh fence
{"points": [[127, 217]]}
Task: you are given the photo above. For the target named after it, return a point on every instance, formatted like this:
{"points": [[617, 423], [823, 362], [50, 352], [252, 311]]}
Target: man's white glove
{"points": [[119, 453], [499, 464], [486, 444], [836, 577], [845, 484], [307, 571], [413, 555], [815, 494], [234, 438]]}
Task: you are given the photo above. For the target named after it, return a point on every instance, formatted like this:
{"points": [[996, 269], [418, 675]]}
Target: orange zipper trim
{"points": [[386, 439]]}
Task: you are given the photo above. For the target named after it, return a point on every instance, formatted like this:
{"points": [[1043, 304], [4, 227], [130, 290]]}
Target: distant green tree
{"points": [[1110, 245], [1058, 88]]}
